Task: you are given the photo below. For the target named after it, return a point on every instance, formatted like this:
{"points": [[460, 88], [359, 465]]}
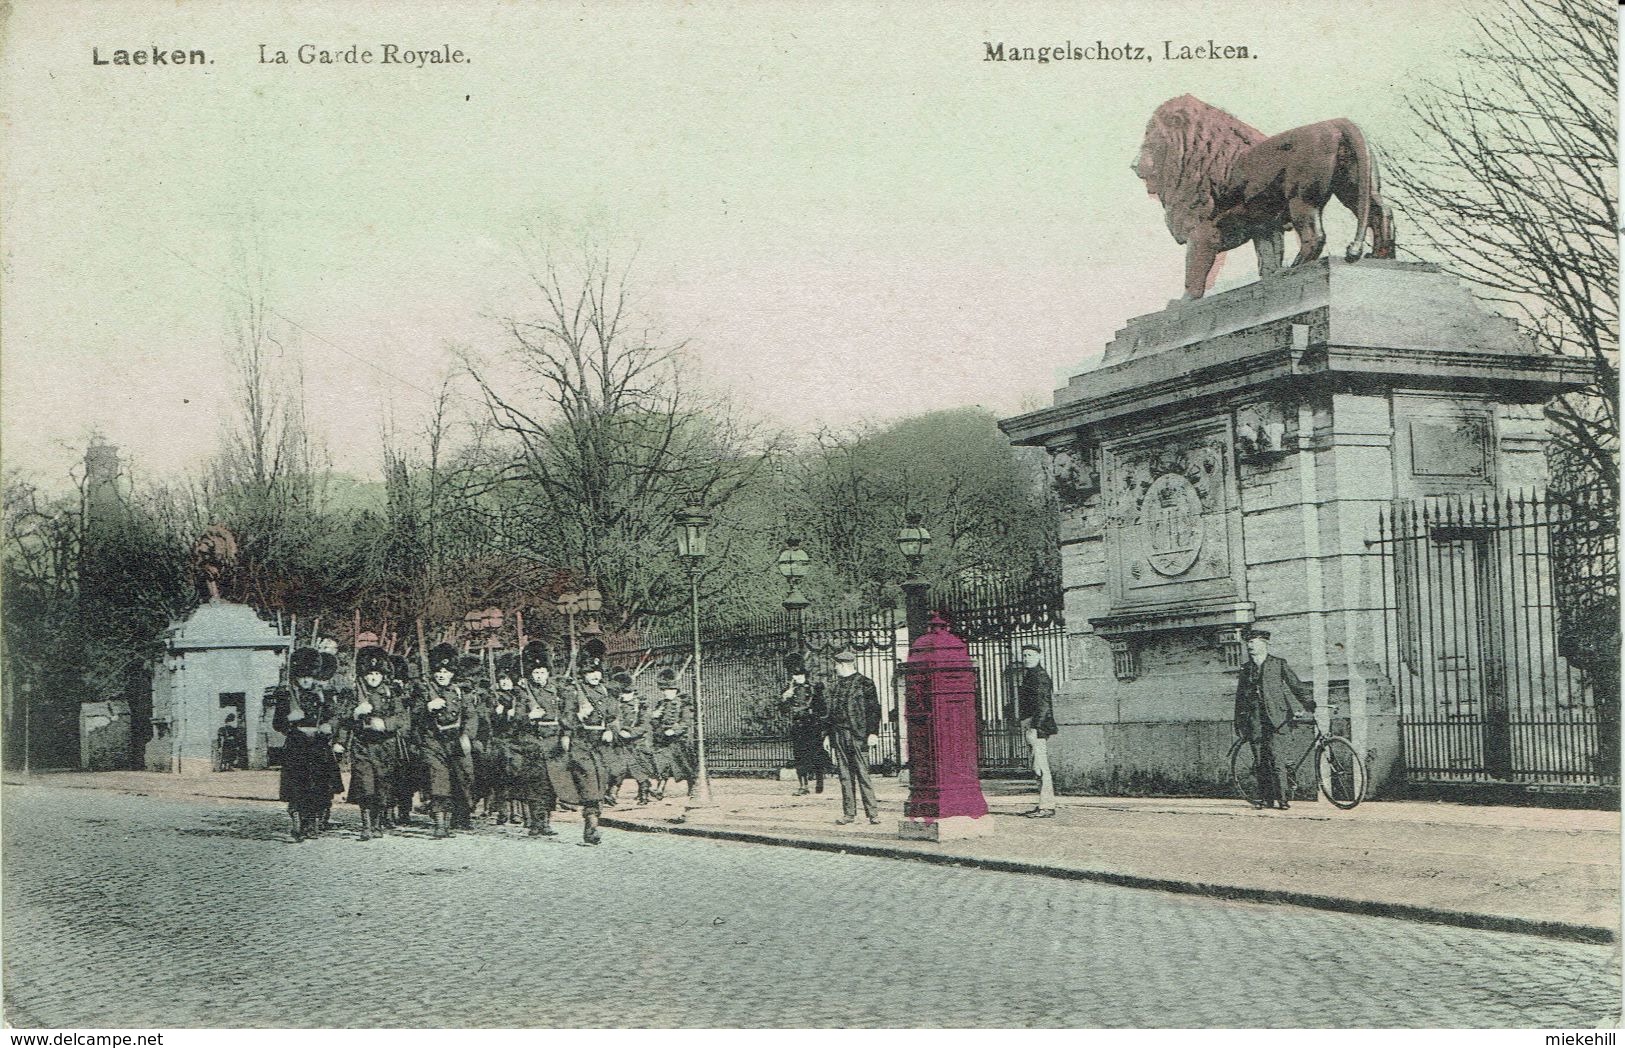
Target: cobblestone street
{"points": [[128, 911]]}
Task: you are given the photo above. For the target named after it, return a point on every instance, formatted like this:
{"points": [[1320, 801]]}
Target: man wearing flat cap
{"points": [[854, 726], [1035, 706], [1264, 695]]}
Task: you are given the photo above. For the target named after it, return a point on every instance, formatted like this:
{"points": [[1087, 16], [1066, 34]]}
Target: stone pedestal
{"points": [[220, 660], [1223, 467]]}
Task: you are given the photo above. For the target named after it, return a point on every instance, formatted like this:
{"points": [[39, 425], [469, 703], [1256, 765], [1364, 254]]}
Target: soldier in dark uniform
{"points": [[305, 715], [373, 716], [595, 728], [1264, 694], [540, 741], [408, 770], [326, 676], [631, 757], [670, 723], [854, 726], [477, 727], [808, 715], [505, 719], [445, 745]]}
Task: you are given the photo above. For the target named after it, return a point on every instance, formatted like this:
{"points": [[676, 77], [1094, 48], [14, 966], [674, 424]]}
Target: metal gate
{"points": [[1472, 620], [995, 618]]}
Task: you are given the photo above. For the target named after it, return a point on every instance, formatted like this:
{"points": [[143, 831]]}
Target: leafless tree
{"points": [[600, 438], [1510, 181]]}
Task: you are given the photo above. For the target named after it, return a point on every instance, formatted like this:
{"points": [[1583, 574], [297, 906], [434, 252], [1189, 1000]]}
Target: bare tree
{"points": [[603, 439], [1510, 182]]}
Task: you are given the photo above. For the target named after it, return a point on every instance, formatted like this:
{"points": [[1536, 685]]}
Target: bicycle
{"points": [[1339, 772]]}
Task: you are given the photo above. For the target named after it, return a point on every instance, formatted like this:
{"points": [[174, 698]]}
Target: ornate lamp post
{"points": [[913, 540], [691, 524], [793, 564]]}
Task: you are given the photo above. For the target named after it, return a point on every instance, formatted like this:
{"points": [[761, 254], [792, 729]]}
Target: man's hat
{"points": [[442, 657], [1260, 634], [592, 655], [846, 655], [371, 659], [667, 679], [621, 678], [399, 668], [1030, 646], [508, 665], [535, 654], [794, 664], [329, 667], [469, 666], [304, 662]]}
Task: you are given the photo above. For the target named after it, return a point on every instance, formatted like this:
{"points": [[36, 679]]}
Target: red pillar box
{"points": [[945, 799]]}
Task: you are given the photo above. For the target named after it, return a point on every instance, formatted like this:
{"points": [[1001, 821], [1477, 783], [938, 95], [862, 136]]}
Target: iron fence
{"points": [[995, 618], [1473, 624]]}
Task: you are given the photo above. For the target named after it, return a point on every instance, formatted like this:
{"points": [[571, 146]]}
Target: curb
{"points": [[1586, 933]]}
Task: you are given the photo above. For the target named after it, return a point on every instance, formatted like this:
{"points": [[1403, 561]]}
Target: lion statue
{"points": [[1222, 183]]}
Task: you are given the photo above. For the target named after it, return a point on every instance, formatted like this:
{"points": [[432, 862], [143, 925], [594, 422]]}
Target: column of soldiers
{"points": [[505, 740]]}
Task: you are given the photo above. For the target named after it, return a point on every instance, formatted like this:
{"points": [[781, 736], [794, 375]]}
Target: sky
{"points": [[846, 212]]}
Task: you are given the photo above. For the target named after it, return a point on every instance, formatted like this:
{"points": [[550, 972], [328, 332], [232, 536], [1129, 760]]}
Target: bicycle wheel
{"points": [[1342, 773], [1244, 772]]}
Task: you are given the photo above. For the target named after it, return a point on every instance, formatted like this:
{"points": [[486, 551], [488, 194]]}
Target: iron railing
{"points": [[1473, 620]]}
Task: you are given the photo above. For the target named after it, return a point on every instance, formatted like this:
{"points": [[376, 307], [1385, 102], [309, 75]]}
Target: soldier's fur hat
{"points": [[371, 659], [508, 665], [794, 664], [304, 662], [442, 657], [621, 678], [469, 666], [399, 668], [592, 655], [329, 667], [667, 679], [535, 654]]}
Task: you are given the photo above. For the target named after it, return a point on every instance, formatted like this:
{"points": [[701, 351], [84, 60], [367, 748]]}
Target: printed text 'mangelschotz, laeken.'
{"points": [[1100, 51]]}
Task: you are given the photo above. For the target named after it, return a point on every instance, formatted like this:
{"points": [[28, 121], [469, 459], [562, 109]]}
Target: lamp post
{"points": [[793, 564], [586, 602], [570, 604], [913, 540], [691, 522]]}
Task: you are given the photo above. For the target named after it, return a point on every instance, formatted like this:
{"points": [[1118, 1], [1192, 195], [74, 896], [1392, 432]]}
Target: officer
{"points": [[670, 723], [854, 726], [808, 715], [445, 745], [1264, 694], [370, 723], [594, 713], [305, 716], [540, 741]]}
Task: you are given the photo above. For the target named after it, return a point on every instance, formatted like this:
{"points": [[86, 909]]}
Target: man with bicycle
{"points": [[1264, 695]]}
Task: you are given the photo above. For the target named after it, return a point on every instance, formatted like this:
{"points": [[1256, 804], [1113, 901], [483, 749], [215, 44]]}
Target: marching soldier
{"points": [[445, 746], [540, 741], [368, 732], [326, 675], [305, 716], [477, 728], [505, 724], [808, 714], [670, 724], [595, 727], [631, 758], [408, 770]]}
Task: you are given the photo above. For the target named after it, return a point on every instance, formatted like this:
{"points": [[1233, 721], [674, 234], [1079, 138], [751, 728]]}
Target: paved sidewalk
{"points": [[1545, 871]]}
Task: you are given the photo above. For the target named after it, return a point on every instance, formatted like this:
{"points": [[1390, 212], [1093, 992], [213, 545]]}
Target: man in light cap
{"points": [[1035, 706], [854, 726], [1264, 693]]}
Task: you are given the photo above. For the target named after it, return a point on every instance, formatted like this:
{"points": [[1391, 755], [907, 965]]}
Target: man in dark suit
{"points": [[854, 726], [1035, 705], [1264, 695]]}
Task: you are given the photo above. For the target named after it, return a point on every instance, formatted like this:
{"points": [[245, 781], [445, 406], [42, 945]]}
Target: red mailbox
{"points": [[942, 738]]}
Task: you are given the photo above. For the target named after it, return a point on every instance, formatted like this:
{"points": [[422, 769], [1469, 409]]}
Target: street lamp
{"points": [[793, 564], [913, 540], [691, 522]]}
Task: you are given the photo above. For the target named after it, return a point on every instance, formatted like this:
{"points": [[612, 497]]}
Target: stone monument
{"points": [[1224, 465]]}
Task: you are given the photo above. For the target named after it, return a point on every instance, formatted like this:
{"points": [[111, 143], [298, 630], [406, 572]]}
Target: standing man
{"points": [[808, 714], [1035, 706], [1264, 695], [854, 726], [595, 728]]}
